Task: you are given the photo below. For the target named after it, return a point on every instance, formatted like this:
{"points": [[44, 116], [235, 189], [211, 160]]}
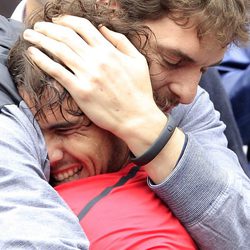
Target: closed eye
{"points": [[171, 63], [68, 130]]}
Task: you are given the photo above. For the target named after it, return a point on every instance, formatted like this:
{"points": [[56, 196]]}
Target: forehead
{"points": [[57, 113], [170, 36], [56, 119]]}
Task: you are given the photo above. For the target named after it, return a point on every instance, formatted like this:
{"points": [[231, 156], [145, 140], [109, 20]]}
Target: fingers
{"points": [[62, 34], [79, 33], [95, 37], [58, 49], [119, 41], [55, 70], [84, 28]]}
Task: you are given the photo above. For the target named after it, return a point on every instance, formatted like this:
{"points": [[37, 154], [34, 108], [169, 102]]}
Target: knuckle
{"points": [[95, 78], [60, 49]]}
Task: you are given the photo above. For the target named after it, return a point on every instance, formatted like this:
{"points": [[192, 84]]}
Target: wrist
{"points": [[165, 162], [151, 153], [140, 133]]}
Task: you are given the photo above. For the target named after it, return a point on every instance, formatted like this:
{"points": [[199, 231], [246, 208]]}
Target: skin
{"points": [[102, 57]]}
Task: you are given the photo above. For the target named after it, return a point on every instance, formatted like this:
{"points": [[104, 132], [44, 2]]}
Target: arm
{"points": [[32, 215], [212, 195]]}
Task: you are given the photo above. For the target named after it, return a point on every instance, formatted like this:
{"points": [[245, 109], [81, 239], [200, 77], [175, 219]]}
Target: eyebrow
{"points": [[177, 53], [184, 56], [61, 125]]}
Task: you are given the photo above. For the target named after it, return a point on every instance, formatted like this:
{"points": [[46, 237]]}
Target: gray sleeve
{"points": [[208, 191], [32, 214]]}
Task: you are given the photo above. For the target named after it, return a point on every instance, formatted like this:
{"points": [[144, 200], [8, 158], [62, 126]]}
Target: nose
{"points": [[55, 150], [186, 84], [55, 156]]}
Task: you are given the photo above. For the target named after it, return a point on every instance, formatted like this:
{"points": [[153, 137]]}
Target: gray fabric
{"points": [[208, 190], [32, 214]]}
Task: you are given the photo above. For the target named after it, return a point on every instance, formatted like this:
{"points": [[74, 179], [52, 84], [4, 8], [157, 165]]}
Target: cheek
{"points": [[95, 144], [103, 144]]}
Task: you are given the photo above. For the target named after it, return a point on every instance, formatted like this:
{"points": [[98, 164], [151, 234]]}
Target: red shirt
{"points": [[129, 216]]}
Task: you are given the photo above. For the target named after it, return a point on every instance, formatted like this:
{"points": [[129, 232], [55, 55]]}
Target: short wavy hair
{"points": [[226, 20]]}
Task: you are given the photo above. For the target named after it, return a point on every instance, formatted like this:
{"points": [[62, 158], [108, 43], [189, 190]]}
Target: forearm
{"points": [[206, 182], [204, 196]]}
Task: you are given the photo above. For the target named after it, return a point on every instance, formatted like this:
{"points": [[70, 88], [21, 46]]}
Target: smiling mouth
{"points": [[66, 175]]}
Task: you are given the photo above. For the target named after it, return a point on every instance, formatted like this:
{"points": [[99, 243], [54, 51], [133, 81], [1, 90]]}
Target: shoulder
{"points": [[9, 33], [200, 119], [200, 110], [17, 122]]}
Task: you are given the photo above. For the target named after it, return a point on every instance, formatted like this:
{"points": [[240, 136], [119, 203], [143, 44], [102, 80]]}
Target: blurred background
{"points": [[8, 6]]}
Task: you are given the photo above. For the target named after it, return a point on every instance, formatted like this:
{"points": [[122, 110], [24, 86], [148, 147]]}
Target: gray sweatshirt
{"points": [[207, 191], [32, 215]]}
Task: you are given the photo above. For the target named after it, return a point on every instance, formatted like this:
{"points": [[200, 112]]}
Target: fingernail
{"points": [[37, 25], [28, 34], [55, 19], [31, 50]]}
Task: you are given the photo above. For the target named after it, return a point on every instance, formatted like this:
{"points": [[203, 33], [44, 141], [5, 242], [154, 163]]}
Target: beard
{"points": [[119, 157], [165, 100]]}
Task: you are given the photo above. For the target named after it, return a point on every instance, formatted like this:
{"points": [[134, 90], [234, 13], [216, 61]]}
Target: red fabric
{"points": [[130, 217]]}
